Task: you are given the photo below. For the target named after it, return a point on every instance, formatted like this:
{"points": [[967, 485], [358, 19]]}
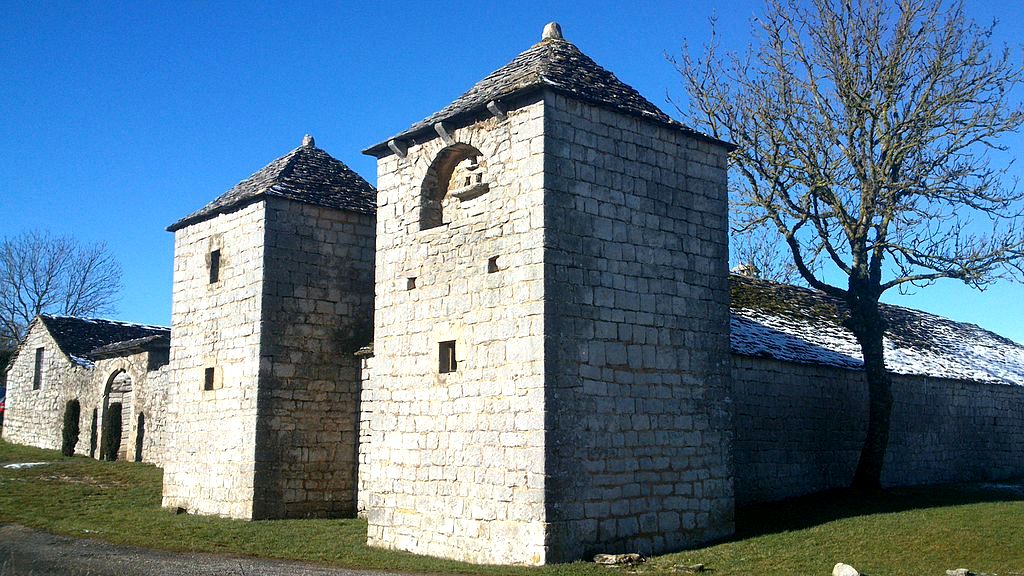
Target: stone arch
{"points": [[118, 391], [459, 166]]}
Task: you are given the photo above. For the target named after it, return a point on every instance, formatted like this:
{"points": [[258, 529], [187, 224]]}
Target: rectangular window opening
{"points": [[208, 377], [446, 357], [410, 283], [37, 376], [492, 265], [214, 266]]}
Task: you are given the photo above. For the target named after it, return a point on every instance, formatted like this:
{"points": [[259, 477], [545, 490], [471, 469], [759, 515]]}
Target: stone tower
{"points": [[551, 355], [273, 291]]}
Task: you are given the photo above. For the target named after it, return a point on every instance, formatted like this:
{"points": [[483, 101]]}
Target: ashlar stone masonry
{"points": [[584, 293]]}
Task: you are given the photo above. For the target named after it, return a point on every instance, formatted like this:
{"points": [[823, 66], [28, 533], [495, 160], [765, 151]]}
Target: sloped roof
{"points": [[553, 63], [133, 345], [799, 325], [79, 337], [306, 174]]}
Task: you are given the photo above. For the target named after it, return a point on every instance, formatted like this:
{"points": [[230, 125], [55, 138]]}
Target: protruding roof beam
{"points": [[496, 110], [398, 147], [443, 133]]}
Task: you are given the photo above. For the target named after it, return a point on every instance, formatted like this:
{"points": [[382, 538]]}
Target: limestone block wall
{"points": [[799, 429], [211, 434], [147, 375], [455, 461], [369, 391], [317, 310], [636, 348], [36, 417]]}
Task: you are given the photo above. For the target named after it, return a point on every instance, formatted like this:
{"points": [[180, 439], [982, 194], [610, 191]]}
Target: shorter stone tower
{"points": [[551, 356], [273, 292]]}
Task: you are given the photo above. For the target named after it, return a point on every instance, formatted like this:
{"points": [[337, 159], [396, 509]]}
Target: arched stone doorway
{"points": [[116, 436]]}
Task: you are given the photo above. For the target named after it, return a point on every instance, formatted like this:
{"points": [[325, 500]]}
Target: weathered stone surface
{"points": [[789, 441], [841, 569], [135, 378], [276, 436]]}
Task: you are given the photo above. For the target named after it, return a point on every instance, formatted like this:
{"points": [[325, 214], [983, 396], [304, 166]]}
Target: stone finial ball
{"points": [[552, 32], [308, 142]]}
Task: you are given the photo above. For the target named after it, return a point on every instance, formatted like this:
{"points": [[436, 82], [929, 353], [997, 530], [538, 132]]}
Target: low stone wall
{"points": [[799, 429]]}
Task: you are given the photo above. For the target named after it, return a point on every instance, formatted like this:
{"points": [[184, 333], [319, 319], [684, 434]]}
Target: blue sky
{"points": [[118, 119]]}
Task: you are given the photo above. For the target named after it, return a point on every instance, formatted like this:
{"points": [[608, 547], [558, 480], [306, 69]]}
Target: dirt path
{"points": [[24, 551]]}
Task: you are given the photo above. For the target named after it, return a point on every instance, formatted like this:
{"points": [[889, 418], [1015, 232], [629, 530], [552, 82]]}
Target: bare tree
{"points": [[760, 252], [41, 273], [867, 135]]}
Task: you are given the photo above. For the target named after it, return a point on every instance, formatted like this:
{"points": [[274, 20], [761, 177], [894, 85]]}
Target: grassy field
{"points": [[910, 532]]}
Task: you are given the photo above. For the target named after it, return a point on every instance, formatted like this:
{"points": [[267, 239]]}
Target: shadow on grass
{"points": [[816, 509]]}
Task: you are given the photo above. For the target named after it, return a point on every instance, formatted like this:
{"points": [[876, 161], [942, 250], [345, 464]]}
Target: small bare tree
{"points": [[866, 132], [41, 273]]}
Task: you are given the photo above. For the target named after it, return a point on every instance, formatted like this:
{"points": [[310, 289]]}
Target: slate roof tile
{"points": [[552, 63], [794, 324], [79, 337], [306, 174]]}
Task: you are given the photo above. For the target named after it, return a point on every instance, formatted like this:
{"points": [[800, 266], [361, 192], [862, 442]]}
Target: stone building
{"points": [[272, 294], [99, 363], [550, 370], [558, 364]]}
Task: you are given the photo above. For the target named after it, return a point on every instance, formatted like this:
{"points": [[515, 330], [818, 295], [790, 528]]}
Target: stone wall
{"points": [[799, 429], [211, 434], [636, 290], [317, 310], [455, 461], [36, 417], [148, 398]]}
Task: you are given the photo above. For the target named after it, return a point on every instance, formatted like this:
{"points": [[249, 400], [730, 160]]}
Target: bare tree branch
{"points": [[866, 133], [41, 273]]}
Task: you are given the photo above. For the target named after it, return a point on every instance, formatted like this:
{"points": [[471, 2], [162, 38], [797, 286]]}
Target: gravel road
{"points": [[29, 552]]}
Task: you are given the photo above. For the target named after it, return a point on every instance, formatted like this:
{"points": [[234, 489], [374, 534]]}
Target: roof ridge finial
{"points": [[308, 142], [553, 31]]}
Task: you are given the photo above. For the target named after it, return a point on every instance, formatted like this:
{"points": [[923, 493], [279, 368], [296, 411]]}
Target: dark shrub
{"points": [[110, 440], [72, 414]]}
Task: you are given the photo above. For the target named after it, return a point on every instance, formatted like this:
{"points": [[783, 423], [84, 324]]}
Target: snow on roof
{"points": [[800, 325], [78, 337]]}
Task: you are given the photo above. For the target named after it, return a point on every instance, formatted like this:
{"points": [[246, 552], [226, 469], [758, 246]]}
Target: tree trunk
{"points": [[868, 327]]}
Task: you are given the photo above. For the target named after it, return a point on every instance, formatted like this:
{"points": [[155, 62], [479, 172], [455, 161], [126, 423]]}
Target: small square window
{"points": [[410, 283], [446, 357], [37, 376], [492, 265], [208, 378], [214, 266]]}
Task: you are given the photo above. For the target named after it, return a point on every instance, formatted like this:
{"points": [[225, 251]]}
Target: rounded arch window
{"points": [[458, 172]]}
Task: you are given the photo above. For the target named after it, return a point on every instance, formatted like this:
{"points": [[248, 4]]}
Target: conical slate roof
{"points": [[306, 174], [554, 63]]}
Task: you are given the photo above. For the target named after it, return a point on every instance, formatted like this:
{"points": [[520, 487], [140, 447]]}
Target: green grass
{"points": [[910, 532]]}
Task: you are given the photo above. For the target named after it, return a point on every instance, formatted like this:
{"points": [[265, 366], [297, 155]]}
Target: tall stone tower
{"points": [[550, 377], [273, 291]]}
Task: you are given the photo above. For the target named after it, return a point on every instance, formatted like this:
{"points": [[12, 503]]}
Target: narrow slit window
{"points": [[447, 361], [37, 376], [214, 266], [492, 265], [410, 283], [208, 377]]}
